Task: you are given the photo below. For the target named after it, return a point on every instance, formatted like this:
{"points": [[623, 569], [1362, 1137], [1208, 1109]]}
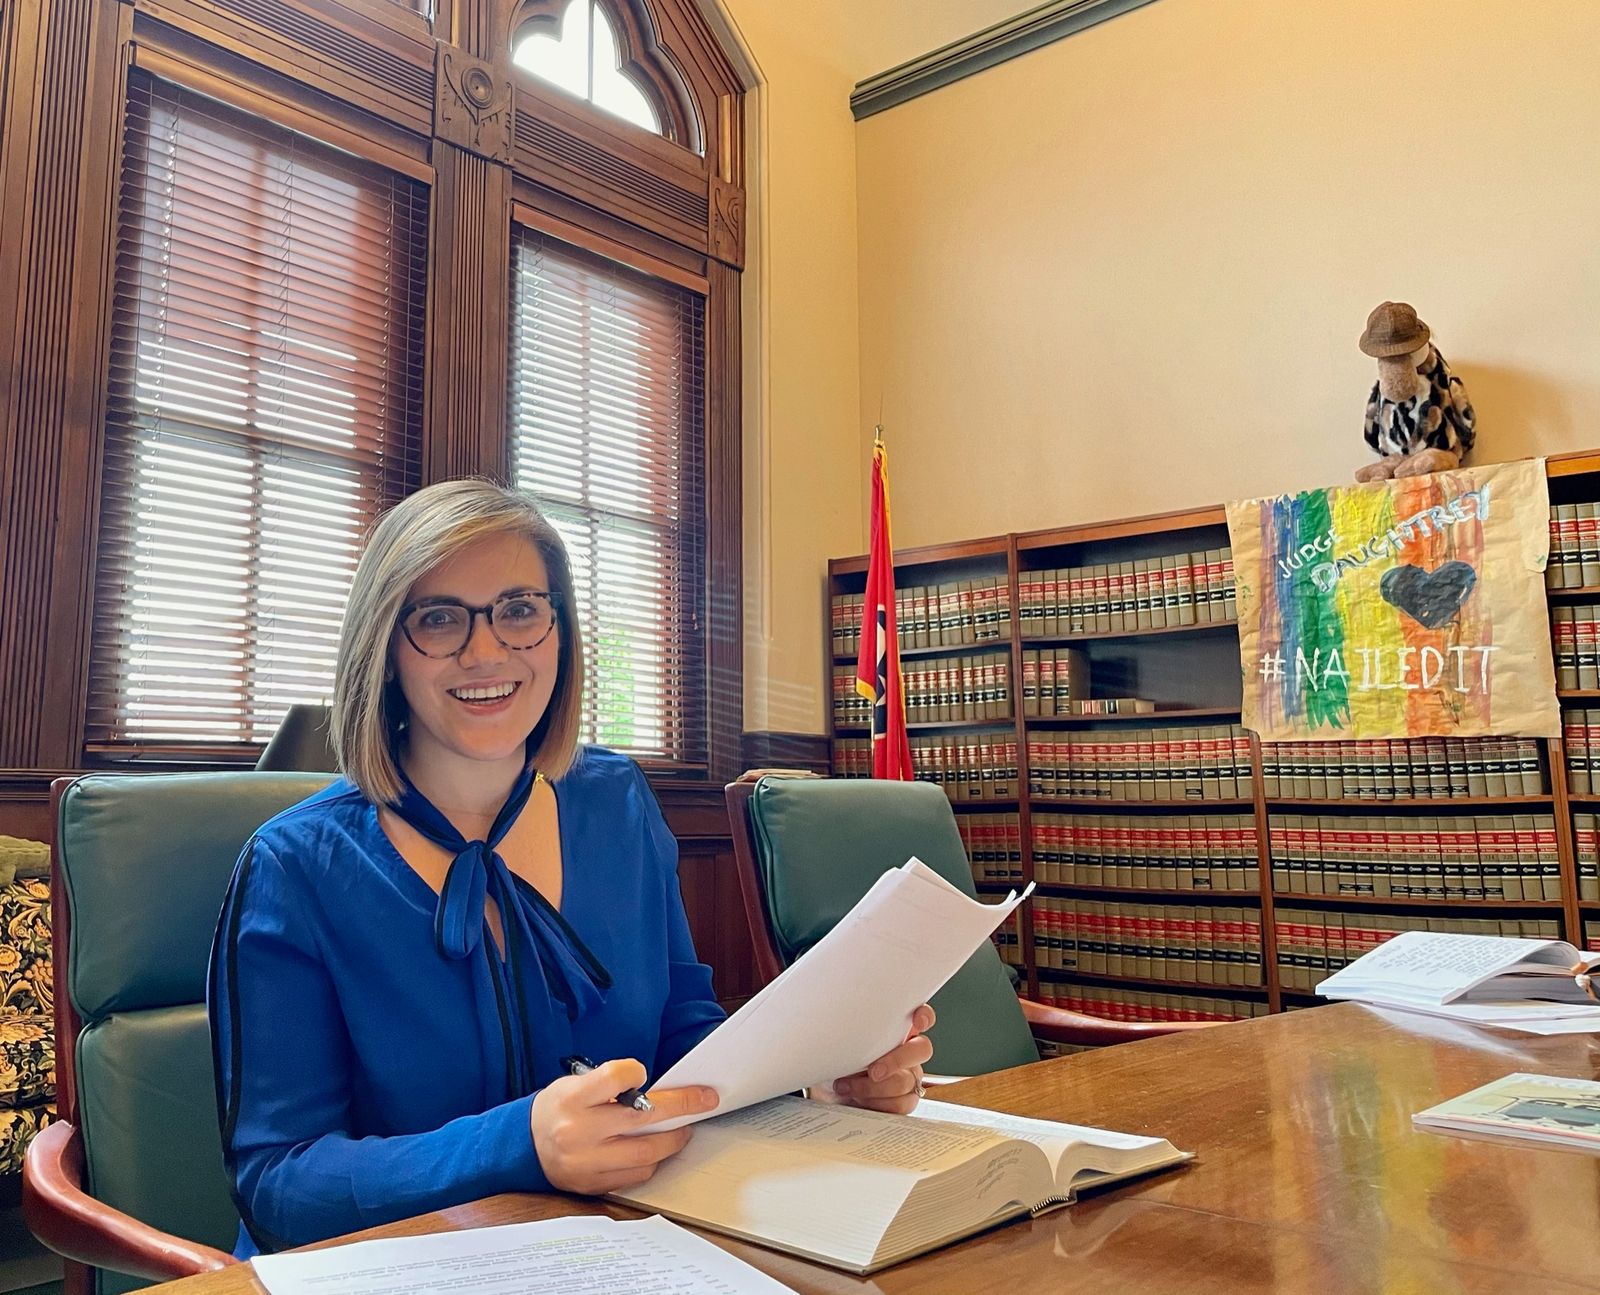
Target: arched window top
{"points": [[604, 54]]}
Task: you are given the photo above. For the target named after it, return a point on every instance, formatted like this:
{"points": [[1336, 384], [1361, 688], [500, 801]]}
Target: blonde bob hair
{"points": [[412, 538]]}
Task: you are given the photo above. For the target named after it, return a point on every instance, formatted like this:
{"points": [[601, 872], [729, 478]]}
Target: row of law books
{"points": [[1425, 768], [1502, 857], [1196, 945], [1313, 945], [1574, 546], [1575, 638], [1114, 1003], [957, 613], [1007, 939], [994, 846], [1153, 851], [967, 766], [1142, 594], [1159, 764], [1054, 680], [1586, 845], [937, 690], [1580, 739]]}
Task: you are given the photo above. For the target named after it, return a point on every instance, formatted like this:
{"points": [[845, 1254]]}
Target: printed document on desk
{"points": [[849, 999], [576, 1256]]}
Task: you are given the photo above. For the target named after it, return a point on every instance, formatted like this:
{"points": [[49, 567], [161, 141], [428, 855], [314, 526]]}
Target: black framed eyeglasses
{"points": [[442, 627]]}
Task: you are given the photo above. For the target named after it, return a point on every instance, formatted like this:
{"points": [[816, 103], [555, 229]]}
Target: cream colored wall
{"points": [[804, 464], [802, 355], [1126, 273]]}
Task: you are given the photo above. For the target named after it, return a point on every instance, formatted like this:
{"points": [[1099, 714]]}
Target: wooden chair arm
{"points": [[1058, 1025], [76, 1226]]}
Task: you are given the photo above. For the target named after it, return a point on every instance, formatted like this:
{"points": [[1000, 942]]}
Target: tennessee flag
{"points": [[878, 666]]}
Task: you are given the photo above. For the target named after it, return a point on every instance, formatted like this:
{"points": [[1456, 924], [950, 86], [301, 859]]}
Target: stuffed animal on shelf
{"points": [[1419, 419]]}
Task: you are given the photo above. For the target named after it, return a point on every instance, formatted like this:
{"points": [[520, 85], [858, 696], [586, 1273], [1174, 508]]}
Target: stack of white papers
{"points": [[1531, 986], [849, 999], [576, 1256]]}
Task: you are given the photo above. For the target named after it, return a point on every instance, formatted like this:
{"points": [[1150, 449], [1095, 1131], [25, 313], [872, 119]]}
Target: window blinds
{"points": [[607, 417], [265, 403]]}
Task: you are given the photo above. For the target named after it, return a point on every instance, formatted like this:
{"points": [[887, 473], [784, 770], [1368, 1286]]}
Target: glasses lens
{"points": [[438, 630], [523, 620]]}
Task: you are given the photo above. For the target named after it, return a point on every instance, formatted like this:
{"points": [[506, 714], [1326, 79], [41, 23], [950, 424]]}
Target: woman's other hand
{"points": [[893, 1082], [587, 1142]]}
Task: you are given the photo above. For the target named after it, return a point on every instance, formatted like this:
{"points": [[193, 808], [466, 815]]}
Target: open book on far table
{"points": [[861, 1190], [1540, 986]]}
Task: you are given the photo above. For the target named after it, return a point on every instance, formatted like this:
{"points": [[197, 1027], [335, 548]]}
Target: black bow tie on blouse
{"points": [[572, 975]]}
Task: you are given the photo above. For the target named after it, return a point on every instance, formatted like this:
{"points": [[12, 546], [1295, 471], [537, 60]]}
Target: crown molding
{"points": [[994, 45]]}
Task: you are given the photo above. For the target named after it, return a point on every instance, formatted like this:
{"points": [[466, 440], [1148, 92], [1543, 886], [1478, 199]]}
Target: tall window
{"points": [[265, 404], [607, 416], [583, 57]]}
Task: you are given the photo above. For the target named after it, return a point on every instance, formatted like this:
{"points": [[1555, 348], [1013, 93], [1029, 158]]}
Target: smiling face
{"points": [[481, 704]]}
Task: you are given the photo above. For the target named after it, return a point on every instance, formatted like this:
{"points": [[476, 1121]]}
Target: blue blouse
{"points": [[364, 1073]]}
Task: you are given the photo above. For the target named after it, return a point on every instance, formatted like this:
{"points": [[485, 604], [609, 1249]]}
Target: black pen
{"points": [[627, 1097]]}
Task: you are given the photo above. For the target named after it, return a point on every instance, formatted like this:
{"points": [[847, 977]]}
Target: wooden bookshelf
{"points": [[1175, 714], [1068, 889], [1067, 640], [1455, 906], [1191, 673], [1140, 806], [1150, 982], [1433, 804]]}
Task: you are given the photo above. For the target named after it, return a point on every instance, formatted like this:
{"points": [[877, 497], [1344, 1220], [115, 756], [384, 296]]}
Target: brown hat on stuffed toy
{"points": [[1393, 329]]}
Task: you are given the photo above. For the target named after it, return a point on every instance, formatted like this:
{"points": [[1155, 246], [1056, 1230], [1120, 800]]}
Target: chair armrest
{"points": [[1058, 1025], [76, 1226]]}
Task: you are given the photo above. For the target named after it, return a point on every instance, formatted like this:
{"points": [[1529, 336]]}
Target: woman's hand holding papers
{"points": [[579, 1130], [893, 1082]]}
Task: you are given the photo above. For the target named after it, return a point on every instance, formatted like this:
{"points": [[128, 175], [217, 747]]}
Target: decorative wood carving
{"points": [[473, 108], [727, 222]]}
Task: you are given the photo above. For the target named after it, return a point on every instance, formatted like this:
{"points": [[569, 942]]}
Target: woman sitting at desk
{"points": [[406, 960]]}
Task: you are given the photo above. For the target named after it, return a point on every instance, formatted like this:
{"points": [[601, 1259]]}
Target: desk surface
{"points": [[1309, 1175]]}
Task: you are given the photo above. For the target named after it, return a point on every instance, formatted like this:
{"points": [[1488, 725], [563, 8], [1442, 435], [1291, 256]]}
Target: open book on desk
{"points": [[860, 1190]]}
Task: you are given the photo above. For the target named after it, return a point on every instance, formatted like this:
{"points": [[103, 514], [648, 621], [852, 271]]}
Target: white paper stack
{"points": [[1533, 986], [849, 1000]]}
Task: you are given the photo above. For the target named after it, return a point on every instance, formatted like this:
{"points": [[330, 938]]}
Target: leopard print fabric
{"points": [[1442, 419]]}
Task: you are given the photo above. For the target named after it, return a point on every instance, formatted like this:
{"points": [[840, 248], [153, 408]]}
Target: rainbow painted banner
{"points": [[1410, 608]]}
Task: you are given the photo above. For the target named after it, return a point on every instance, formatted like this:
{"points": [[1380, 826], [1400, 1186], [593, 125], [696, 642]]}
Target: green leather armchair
{"points": [[129, 1184], [809, 848]]}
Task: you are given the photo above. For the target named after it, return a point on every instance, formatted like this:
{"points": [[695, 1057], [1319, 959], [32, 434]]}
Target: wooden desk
{"points": [[1309, 1178]]}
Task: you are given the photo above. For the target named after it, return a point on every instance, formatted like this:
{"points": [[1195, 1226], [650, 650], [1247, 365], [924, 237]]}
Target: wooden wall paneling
{"points": [[8, 19], [469, 289], [382, 67], [724, 557], [698, 819], [57, 191], [770, 750], [25, 803]]}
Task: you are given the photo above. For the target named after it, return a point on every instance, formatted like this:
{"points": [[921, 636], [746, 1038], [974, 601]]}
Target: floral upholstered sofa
{"points": [[27, 1023]]}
